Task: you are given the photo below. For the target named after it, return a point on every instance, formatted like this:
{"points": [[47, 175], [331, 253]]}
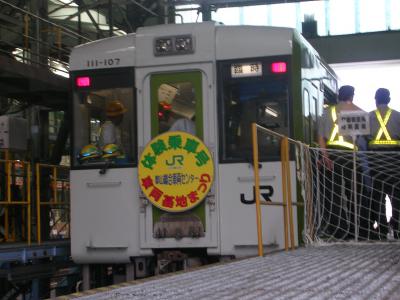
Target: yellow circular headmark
{"points": [[176, 171]]}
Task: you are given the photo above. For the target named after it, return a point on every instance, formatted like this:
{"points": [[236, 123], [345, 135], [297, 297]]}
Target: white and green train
{"points": [[221, 78]]}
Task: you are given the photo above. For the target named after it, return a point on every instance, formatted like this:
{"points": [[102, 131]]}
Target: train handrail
{"points": [[287, 203]]}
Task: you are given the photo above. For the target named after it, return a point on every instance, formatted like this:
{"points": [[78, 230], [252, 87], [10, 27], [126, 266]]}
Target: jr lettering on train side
{"points": [[266, 192]]}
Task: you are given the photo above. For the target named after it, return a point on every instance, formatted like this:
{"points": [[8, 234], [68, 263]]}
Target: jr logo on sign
{"points": [[266, 192], [175, 160]]}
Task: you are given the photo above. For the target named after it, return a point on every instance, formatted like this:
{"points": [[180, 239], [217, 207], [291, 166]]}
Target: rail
{"points": [[287, 202]]}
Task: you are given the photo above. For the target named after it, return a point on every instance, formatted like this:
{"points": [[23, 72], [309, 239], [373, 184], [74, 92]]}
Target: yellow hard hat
{"points": [[111, 150], [115, 108], [89, 152]]}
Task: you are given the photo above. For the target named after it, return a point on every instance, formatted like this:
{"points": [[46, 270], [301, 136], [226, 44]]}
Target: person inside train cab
{"points": [[385, 173], [170, 121], [176, 108], [111, 134], [335, 160], [185, 125]]}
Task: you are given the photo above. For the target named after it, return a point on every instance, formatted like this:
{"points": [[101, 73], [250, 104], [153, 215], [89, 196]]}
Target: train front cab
{"points": [[220, 88]]}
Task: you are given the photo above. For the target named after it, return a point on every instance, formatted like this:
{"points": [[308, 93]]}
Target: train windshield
{"points": [[252, 92], [104, 119]]}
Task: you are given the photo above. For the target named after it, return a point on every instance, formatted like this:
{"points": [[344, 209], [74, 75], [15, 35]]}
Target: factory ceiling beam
{"points": [[61, 7], [10, 10], [143, 7], [123, 14], [87, 6], [10, 19], [37, 17], [83, 6], [231, 3], [119, 2]]}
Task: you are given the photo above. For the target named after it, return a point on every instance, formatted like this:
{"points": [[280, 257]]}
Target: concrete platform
{"points": [[340, 271]]}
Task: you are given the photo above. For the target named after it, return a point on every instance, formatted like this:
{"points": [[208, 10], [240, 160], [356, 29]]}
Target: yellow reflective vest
{"points": [[379, 140], [335, 139]]}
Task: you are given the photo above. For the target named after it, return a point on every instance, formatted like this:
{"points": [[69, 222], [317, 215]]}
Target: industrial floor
{"points": [[339, 271]]}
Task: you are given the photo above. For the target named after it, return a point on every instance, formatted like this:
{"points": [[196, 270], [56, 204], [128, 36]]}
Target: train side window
{"points": [[306, 114], [313, 119], [261, 99]]}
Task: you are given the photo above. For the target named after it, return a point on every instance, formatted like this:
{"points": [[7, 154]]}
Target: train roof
{"points": [[211, 42]]}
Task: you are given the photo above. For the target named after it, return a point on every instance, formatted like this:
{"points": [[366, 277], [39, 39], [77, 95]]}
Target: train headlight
{"points": [[163, 46], [183, 44], [174, 45]]}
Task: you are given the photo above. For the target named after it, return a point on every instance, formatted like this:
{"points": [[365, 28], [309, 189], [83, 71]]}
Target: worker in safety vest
{"points": [[385, 167], [338, 164]]}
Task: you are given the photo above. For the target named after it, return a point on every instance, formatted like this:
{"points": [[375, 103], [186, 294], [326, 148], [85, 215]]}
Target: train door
{"points": [[252, 90], [179, 101]]}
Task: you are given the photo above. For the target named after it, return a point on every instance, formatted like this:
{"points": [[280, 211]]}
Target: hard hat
{"points": [[89, 152], [115, 108], [111, 150]]}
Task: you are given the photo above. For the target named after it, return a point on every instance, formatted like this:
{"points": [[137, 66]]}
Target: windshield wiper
{"points": [[105, 167]]}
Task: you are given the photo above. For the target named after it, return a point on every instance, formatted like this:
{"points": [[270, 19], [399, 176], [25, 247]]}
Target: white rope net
{"points": [[350, 196]]}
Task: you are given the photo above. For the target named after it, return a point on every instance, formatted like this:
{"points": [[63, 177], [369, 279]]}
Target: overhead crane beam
{"points": [[82, 4], [231, 3], [142, 6]]}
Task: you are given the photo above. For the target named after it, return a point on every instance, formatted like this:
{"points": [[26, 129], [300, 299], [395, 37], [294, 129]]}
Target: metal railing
{"points": [[52, 195], [287, 203], [52, 202], [15, 200], [31, 39]]}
